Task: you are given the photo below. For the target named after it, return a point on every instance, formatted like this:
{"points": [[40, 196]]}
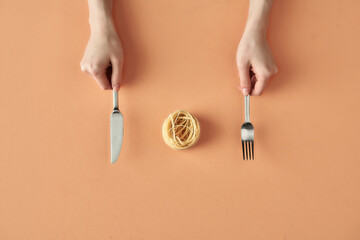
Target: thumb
{"points": [[245, 84], [116, 76]]}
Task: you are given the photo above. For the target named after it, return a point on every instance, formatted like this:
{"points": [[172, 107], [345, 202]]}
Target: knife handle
{"points": [[115, 99], [115, 94]]}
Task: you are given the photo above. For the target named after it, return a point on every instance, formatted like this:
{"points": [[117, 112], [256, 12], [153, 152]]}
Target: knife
{"points": [[116, 125], [116, 130]]}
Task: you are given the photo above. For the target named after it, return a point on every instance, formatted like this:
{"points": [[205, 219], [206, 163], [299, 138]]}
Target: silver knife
{"points": [[116, 130]]}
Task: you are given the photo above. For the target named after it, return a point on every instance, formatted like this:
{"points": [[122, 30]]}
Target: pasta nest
{"points": [[181, 130]]}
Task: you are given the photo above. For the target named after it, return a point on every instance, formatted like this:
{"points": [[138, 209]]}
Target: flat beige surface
{"points": [[56, 180]]}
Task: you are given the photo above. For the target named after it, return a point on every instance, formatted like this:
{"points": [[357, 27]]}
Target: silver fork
{"points": [[247, 133]]}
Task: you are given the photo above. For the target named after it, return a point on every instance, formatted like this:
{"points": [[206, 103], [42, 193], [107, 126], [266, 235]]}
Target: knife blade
{"points": [[116, 129]]}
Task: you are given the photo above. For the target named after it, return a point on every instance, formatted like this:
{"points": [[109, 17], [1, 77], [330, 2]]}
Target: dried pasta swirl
{"points": [[181, 130]]}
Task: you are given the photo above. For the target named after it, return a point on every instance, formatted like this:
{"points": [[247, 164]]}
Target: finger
{"points": [[101, 79], [259, 86], [245, 84], [116, 77]]}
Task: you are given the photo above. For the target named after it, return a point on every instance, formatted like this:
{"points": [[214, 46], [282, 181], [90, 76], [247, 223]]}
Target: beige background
{"points": [[56, 180]]}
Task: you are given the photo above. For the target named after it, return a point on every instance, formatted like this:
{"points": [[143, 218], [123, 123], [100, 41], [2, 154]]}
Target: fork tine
{"points": [[246, 147], [252, 148], [242, 144]]}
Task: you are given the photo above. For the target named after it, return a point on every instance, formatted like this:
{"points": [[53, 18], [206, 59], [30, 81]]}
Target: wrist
{"points": [[100, 16], [258, 17], [255, 31], [102, 26]]}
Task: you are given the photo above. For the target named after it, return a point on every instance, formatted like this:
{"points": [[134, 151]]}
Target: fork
{"points": [[247, 133]]}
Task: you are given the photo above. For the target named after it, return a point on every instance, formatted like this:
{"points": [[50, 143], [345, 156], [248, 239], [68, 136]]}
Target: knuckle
{"points": [[242, 65], [95, 70], [256, 93], [265, 74], [245, 83], [95, 73], [247, 86], [104, 87], [241, 60], [83, 66], [117, 60]]}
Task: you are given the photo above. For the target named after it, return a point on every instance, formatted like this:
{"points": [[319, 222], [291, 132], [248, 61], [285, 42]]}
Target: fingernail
{"points": [[116, 87], [245, 91]]}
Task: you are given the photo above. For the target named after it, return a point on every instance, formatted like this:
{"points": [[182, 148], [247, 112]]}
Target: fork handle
{"points": [[247, 108]]}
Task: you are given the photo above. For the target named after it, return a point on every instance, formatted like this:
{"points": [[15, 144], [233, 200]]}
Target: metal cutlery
{"points": [[247, 133], [116, 130], [116, 125]]}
